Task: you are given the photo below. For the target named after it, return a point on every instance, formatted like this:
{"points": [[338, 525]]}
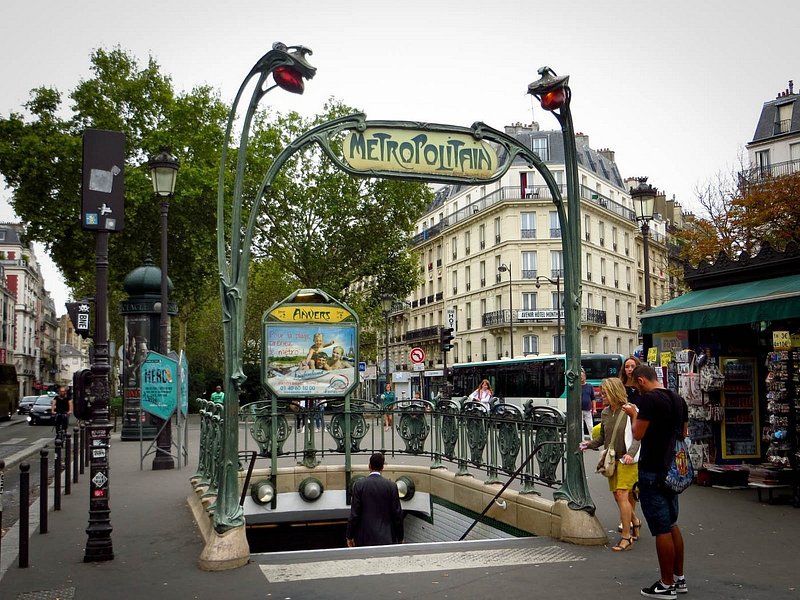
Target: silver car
{"points": [[25, 404]]}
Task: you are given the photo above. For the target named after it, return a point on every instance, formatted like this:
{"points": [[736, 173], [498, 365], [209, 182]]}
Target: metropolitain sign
{"points": [[411, 151]]}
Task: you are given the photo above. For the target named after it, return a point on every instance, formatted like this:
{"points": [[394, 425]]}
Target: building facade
{"points": [[775, 148], [492, 267], [34, 333]]}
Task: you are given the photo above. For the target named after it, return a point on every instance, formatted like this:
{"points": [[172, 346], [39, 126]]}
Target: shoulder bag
{"points": [[608, 457], [711, 378], [680, 472]]}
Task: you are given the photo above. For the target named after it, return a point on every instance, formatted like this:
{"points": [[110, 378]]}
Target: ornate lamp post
{"points": [[163, 172], [386, 305], [644, 199], [554, 94], [559, 306], [502, 269]]}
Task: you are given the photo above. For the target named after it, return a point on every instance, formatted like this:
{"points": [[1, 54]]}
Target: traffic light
{"points": [[445, 337], [81, 392]]}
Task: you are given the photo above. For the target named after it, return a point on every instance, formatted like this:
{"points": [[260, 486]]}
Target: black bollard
{"points": [[43, 491], [67, 463], [75, 452], [57, 478], [24, 508], [2, 476], [83, 445]]}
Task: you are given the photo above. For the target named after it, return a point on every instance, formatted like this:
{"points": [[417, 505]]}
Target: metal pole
{"points": [[163, 459], [558, 314], [76, 451], [98, 544], [386, 350], [42, 491], [57, 477], [67, 464], [24, 510], [2, 484], [646, 249]]}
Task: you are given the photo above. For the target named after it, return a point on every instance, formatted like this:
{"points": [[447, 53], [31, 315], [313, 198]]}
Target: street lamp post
{"points": [[558, 307], [163, 172], [386, 305], [644, 198], [502, 269]]}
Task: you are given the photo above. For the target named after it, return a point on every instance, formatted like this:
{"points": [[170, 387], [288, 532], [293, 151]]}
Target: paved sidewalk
{"points": [[735, 548]]}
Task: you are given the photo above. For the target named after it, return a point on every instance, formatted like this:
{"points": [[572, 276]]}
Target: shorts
{"points": [[624, 477], [659, 505]]}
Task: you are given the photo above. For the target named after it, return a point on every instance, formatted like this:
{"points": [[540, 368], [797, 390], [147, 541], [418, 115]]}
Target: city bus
{"points": [[9, 391], [538, 378]]}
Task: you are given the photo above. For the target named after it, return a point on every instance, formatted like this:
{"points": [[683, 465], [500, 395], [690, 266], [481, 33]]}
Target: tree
{"points": [[739, 215], [40, 158]]}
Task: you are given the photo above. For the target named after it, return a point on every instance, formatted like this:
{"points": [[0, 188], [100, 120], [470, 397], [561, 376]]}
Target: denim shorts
{"points": [[659, 505]]}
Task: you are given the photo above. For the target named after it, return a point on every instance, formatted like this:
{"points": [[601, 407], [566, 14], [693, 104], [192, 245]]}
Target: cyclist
{"points": [[61, 406]]}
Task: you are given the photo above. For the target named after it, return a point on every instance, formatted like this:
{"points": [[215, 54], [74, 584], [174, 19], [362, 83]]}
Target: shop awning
{"points": [[767, 300]]}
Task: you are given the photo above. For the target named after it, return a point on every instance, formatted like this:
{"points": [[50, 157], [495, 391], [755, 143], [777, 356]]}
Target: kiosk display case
{"points": [[740, 430]]}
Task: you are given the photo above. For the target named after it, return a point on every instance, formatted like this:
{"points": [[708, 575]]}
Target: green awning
{"points": [[767, 300]]}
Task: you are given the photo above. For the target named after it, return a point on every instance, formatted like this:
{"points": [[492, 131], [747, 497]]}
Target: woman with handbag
{"points": [[622, 473]]}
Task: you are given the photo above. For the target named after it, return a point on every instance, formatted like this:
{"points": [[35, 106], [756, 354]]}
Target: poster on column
{"points": [[159, 385], [311, 359]]}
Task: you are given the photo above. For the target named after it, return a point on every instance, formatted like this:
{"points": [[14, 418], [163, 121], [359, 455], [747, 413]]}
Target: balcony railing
{"points": [[515, 193], [426, 333], [760, 174]]}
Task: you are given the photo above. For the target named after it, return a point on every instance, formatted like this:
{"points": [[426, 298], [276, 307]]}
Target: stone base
{"points": [[229, 550], [578, 526]]}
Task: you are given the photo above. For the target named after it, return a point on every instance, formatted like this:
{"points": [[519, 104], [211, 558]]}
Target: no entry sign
{"points": [[417, 355]]}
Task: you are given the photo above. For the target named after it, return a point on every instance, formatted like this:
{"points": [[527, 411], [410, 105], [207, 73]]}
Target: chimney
{"points": [[791, 86], [607, 154]]}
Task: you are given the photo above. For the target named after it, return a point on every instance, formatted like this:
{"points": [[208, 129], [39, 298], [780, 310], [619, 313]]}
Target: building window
{"points": [[482, 272], [530, 344], [482, 236], [497, 230], [527, 226], [555, 226], [529, 301], [539, 145], [587, 228], [454, 247], [559, 342], [529, 265], [556, 264]]}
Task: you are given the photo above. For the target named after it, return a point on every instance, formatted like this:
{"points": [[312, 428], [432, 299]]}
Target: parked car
{"points": [[25, 404], [41, 412]]}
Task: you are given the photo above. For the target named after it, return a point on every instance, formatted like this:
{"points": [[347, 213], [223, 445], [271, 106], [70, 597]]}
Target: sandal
{"points": [[636, 529], [628, 544]]}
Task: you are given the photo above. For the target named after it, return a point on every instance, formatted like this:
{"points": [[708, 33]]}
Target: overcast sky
{"points": [[674, 88]]}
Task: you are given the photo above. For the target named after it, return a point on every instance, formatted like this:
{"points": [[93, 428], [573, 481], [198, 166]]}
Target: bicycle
{"points": [[61, 425]]}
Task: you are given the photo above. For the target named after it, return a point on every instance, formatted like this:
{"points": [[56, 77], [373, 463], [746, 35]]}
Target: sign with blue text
{"points": [[159, 385]]}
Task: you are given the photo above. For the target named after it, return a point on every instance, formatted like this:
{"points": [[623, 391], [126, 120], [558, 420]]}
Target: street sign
{"points": [[419, 366], [451, 318], [103, 182], [417, 355], [362, 367], [80, 316]]}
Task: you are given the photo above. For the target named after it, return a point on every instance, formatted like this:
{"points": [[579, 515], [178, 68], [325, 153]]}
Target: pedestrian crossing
{"points": [[416, 563]]}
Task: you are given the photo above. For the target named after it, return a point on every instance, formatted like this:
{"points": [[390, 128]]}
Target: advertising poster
{"points": [[159, 385], [311, 359], [137, 335]]}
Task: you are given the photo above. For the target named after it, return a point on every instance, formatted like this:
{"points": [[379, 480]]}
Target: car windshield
{"points": [[28, 400], [43, 400]]}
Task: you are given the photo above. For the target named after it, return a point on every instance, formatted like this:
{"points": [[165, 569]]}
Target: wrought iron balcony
{"points": [[758, 175], [426, 333]]}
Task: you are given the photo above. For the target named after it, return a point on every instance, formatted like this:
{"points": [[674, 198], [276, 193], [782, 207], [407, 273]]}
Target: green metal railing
{"points": [[450, 431]]}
